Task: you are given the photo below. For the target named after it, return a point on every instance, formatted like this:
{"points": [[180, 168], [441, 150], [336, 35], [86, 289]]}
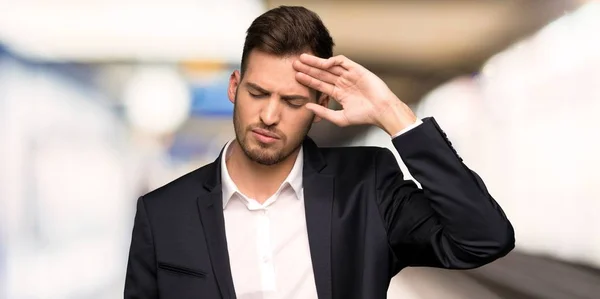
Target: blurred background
{"points": [[102, 101]]}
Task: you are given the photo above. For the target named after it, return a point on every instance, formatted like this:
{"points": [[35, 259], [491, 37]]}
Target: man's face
{"points": [[270, 119]]}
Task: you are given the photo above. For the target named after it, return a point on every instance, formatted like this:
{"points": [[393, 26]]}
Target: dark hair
{"points": [[287, 30]]}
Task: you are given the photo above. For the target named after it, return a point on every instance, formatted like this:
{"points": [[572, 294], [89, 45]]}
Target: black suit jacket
{"points": [[365, 222]]}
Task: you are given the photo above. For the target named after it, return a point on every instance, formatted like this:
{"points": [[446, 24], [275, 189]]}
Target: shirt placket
{"points": [[264, 246], [267, 268]]}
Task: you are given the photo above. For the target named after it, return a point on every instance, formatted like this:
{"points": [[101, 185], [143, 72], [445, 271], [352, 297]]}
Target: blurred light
{"points": [[537, 147], [453, 103], [127, 29], [211, 99], [456, 105], [157, 100], [562, 48]]}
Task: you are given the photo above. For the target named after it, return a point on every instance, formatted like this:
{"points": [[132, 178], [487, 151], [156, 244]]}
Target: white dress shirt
{"points": [[268, 245]]}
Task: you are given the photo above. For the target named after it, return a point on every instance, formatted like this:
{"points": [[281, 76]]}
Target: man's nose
{"points": [[271, 112]]}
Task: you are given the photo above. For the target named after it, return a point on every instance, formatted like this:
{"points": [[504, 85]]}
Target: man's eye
{"points": [[260, 95], [295, 103]]}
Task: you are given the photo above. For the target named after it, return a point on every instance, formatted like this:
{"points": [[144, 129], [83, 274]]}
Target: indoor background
{"points": [[104, 100]]}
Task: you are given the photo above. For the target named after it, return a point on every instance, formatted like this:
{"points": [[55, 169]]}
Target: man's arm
{"points": [[140, 280], [453, 222]]}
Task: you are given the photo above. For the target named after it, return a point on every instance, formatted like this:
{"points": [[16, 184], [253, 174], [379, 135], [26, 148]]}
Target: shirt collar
{"points": [[294, 178]]}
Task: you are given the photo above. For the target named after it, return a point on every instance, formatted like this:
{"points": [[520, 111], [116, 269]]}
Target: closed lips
{"points": [[265, 133]]}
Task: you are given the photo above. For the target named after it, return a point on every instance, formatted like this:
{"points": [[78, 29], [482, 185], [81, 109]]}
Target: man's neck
{"points": [[256, 180]]}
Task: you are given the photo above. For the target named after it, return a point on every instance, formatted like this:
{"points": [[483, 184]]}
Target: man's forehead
{"points": [[275, 83], [274, 73], [278, 87]]}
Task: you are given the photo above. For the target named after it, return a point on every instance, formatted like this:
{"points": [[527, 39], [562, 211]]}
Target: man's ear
{"points": [[323, 100], [234, 82]]}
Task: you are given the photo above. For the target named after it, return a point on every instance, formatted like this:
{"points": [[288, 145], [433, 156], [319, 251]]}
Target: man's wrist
{"points": [[397, 118], [416, 124]]}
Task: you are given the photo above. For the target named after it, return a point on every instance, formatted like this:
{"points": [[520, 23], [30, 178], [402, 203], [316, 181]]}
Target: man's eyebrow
{"points": [[257, 87], [295, 97], [285, 97]]}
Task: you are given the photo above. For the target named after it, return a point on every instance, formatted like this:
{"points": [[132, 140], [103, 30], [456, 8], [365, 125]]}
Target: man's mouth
{"points": [[265, 136]]}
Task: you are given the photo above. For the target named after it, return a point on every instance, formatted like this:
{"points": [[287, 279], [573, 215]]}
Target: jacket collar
{"points": [[313, 162], [294, 178]]}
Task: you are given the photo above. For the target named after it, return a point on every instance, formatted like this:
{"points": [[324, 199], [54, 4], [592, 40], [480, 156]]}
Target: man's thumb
{"points": [[333, 116]]}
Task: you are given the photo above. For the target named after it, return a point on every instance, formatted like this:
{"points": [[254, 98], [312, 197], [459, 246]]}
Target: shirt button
{"points": [[265, 259]]}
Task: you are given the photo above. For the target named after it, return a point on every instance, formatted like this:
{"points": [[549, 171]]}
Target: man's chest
{"points": [[269, 250]]}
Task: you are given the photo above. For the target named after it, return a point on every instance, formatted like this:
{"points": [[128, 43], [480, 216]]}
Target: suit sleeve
{"points": [[140, 281], [452, 222]]}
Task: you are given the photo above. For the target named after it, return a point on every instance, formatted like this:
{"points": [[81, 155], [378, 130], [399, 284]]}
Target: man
{"points": [[275, 216]]}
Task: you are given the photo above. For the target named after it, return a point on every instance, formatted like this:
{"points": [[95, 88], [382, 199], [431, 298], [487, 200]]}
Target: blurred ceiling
{"points": [[417, 45], [106, 31], [414, 45]]}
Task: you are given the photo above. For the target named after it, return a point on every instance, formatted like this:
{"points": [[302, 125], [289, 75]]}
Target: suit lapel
{"points": [[210, 207], [318, 200], [213, 223]]}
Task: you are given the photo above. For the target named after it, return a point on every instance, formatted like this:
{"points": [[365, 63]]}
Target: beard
{"points": [[262, 153]]}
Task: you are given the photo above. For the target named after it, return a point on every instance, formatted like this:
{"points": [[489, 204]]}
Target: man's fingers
{"points": [[316, 73], [315, 83], [315, 61], [335, 117], [336, 70], [339, 62], [342, 61]]}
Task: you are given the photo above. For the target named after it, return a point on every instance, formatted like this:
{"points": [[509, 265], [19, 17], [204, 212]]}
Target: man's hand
{"points": [[365, 98]]}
